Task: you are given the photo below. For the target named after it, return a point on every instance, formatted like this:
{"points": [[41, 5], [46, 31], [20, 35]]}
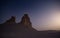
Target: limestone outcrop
{"points": [[11, 20], [26, 21]]}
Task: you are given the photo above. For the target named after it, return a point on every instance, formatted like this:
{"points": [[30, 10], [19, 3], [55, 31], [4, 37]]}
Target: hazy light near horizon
{"points": [[51, 22], [55, 20]]}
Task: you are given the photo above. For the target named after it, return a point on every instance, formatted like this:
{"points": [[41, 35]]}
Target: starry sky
{"points": [[44, 14]]}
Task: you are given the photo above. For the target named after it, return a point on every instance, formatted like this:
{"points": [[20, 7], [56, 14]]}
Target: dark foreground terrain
{"points": [[19, 31]]}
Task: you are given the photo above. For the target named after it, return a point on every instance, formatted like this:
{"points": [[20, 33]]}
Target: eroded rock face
{"points": [[26, 21], [11, 20]]}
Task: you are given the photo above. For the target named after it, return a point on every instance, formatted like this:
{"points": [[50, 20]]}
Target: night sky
{"points": [[44, 14]]}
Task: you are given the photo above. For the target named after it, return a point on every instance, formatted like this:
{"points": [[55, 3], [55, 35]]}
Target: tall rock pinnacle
{"points": [[26, 21]]}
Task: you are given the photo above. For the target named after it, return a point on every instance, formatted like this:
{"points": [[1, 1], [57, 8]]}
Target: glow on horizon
{"points": [[55, 21], [52, 22]]}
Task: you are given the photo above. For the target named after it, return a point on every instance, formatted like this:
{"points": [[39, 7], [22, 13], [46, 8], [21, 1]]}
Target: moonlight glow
{"points": [[55, 21], [52, 22]]}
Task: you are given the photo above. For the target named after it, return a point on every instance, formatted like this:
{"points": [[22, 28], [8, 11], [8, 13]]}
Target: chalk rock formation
{"points": [[26, 21], [11, 20]]}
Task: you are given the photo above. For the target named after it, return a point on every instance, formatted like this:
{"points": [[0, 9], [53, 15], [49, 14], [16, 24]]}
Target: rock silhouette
{"points": [[26, 21], [11, 20]]}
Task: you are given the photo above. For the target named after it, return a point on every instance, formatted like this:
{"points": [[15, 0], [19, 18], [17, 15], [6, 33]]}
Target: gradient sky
{"points": [[44, 14]]}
